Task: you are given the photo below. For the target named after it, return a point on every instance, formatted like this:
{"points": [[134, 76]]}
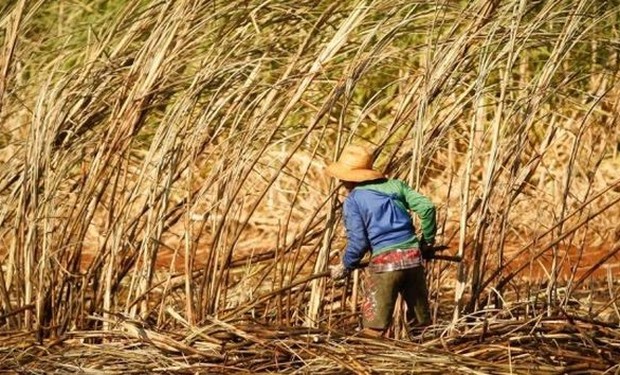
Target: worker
{"points": [[377, 218]]}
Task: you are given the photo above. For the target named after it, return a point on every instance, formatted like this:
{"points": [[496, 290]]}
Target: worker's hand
{"points": [[338, 272], [427, 249]]}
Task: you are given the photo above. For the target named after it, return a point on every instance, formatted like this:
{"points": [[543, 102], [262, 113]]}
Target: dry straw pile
{"points": [[163, 206]]}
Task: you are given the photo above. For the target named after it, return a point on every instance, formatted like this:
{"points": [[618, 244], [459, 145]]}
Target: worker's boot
{"points": [[417, 331]]}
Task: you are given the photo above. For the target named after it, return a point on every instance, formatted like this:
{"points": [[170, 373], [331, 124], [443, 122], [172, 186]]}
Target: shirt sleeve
{"points": [[424, 209], [357, 238]]}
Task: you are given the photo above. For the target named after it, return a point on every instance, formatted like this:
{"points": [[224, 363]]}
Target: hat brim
{"points": [[345, 173]]}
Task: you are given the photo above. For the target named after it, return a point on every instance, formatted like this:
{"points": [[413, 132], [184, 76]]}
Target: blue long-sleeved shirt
{"points": [[376, 218]]}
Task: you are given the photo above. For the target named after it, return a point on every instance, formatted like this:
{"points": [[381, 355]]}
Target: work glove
{"points": [[427, 248], [338, 272]]}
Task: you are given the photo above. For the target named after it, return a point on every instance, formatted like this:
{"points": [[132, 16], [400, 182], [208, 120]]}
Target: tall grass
{"points": [[170, 155]]}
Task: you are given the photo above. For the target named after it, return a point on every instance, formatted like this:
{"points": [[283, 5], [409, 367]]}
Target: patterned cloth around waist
{"points": [[397, 259]]}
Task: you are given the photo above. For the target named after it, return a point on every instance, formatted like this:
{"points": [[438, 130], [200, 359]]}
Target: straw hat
{"points": [[355, 164]]}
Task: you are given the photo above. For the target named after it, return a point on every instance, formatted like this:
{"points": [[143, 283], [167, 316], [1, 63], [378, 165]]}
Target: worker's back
{"points": [[386, 221]]}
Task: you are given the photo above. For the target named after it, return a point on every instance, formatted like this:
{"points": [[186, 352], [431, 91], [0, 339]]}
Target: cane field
{"points": [[164, 206]]}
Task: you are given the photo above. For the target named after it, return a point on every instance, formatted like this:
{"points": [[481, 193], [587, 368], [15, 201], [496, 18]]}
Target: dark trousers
{"points": [[382, 290]]}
